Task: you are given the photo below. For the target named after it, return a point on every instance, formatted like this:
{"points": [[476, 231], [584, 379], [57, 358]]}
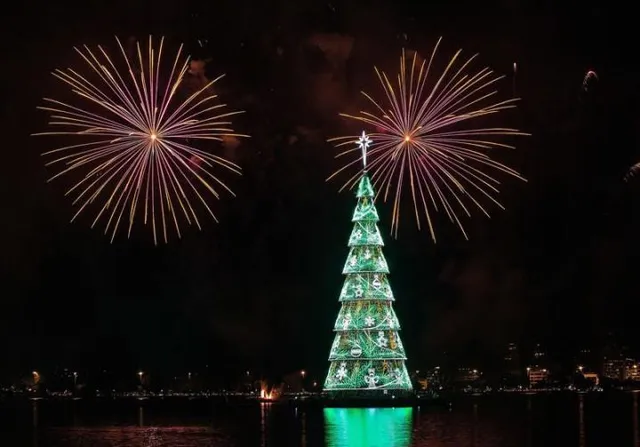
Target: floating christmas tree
{"points": [[367, 357]]}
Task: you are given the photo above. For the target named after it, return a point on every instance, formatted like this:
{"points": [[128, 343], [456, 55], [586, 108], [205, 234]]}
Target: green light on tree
{"points": [[367, 355]]}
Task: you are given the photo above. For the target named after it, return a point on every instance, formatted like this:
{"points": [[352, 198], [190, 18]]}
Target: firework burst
{"points": [[420, 139], [138, 128]]}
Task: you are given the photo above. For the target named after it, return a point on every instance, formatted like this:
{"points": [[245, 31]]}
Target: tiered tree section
{"points": [[367, 356]]}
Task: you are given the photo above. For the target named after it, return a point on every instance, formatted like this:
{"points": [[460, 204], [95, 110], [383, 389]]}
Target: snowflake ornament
{"points": [[369, 321]]}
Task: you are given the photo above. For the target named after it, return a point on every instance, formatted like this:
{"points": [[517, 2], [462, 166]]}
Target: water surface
{"points": [[570, 420]]}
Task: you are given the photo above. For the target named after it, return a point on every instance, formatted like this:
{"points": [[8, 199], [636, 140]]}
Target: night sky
{"points": [[260, 289]]}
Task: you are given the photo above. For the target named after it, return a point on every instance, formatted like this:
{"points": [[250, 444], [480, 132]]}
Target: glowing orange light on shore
{"points": [[267, 393]]}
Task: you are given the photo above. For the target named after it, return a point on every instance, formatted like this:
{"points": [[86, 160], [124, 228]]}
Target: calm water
{"points": [[505, 421]]}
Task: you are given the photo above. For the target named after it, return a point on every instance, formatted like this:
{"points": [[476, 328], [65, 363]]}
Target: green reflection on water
{"points": [[368, 427]]}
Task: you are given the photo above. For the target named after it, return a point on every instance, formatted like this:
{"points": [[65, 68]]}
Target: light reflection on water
{"points": [[636, 432], [531, 421], [134, 436], [368, 427], [142, 434], [581, 433], [265, 408]]}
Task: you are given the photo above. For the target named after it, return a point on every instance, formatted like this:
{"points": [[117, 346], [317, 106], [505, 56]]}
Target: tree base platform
{"points": [[373, 399]]}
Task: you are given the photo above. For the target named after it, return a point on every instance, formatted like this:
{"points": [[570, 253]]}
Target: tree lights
{"points": [[367, 356]]}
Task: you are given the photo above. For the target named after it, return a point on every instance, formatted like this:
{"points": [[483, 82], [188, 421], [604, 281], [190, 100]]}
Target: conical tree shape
{"points": [[367, 357]]}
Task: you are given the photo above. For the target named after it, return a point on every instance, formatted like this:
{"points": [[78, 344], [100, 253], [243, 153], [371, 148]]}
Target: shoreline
{"points": [[306, 399]]}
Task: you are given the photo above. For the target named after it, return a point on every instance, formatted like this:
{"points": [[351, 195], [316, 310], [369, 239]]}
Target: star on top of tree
{"points": [[363, 143]]}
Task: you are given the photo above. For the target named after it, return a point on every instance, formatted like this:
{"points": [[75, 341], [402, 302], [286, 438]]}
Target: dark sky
{"points": [[260, 289]]}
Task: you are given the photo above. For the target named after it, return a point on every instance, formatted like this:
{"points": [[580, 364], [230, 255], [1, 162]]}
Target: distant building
{"points": [[613, 368], [591, 377], [419, 380], [621, 369], [512, 371], [431, 378], [467, 375], [587, 360], [293, 382], [512, 360], [539, 355], [614, 354], [538, 370], [631, 370], [537, 375]]}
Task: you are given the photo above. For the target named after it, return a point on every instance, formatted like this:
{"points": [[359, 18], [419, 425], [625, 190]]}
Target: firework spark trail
{"points": [[139, 159], [632, 172], [418, 139]]}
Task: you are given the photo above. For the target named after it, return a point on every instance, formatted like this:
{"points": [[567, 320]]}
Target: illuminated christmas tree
{"points": [[367, 357]]}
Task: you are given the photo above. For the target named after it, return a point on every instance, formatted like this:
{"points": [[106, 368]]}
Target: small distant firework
{"points": [[632, 172], [588, 80], [139, 128], [420, 139]]}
